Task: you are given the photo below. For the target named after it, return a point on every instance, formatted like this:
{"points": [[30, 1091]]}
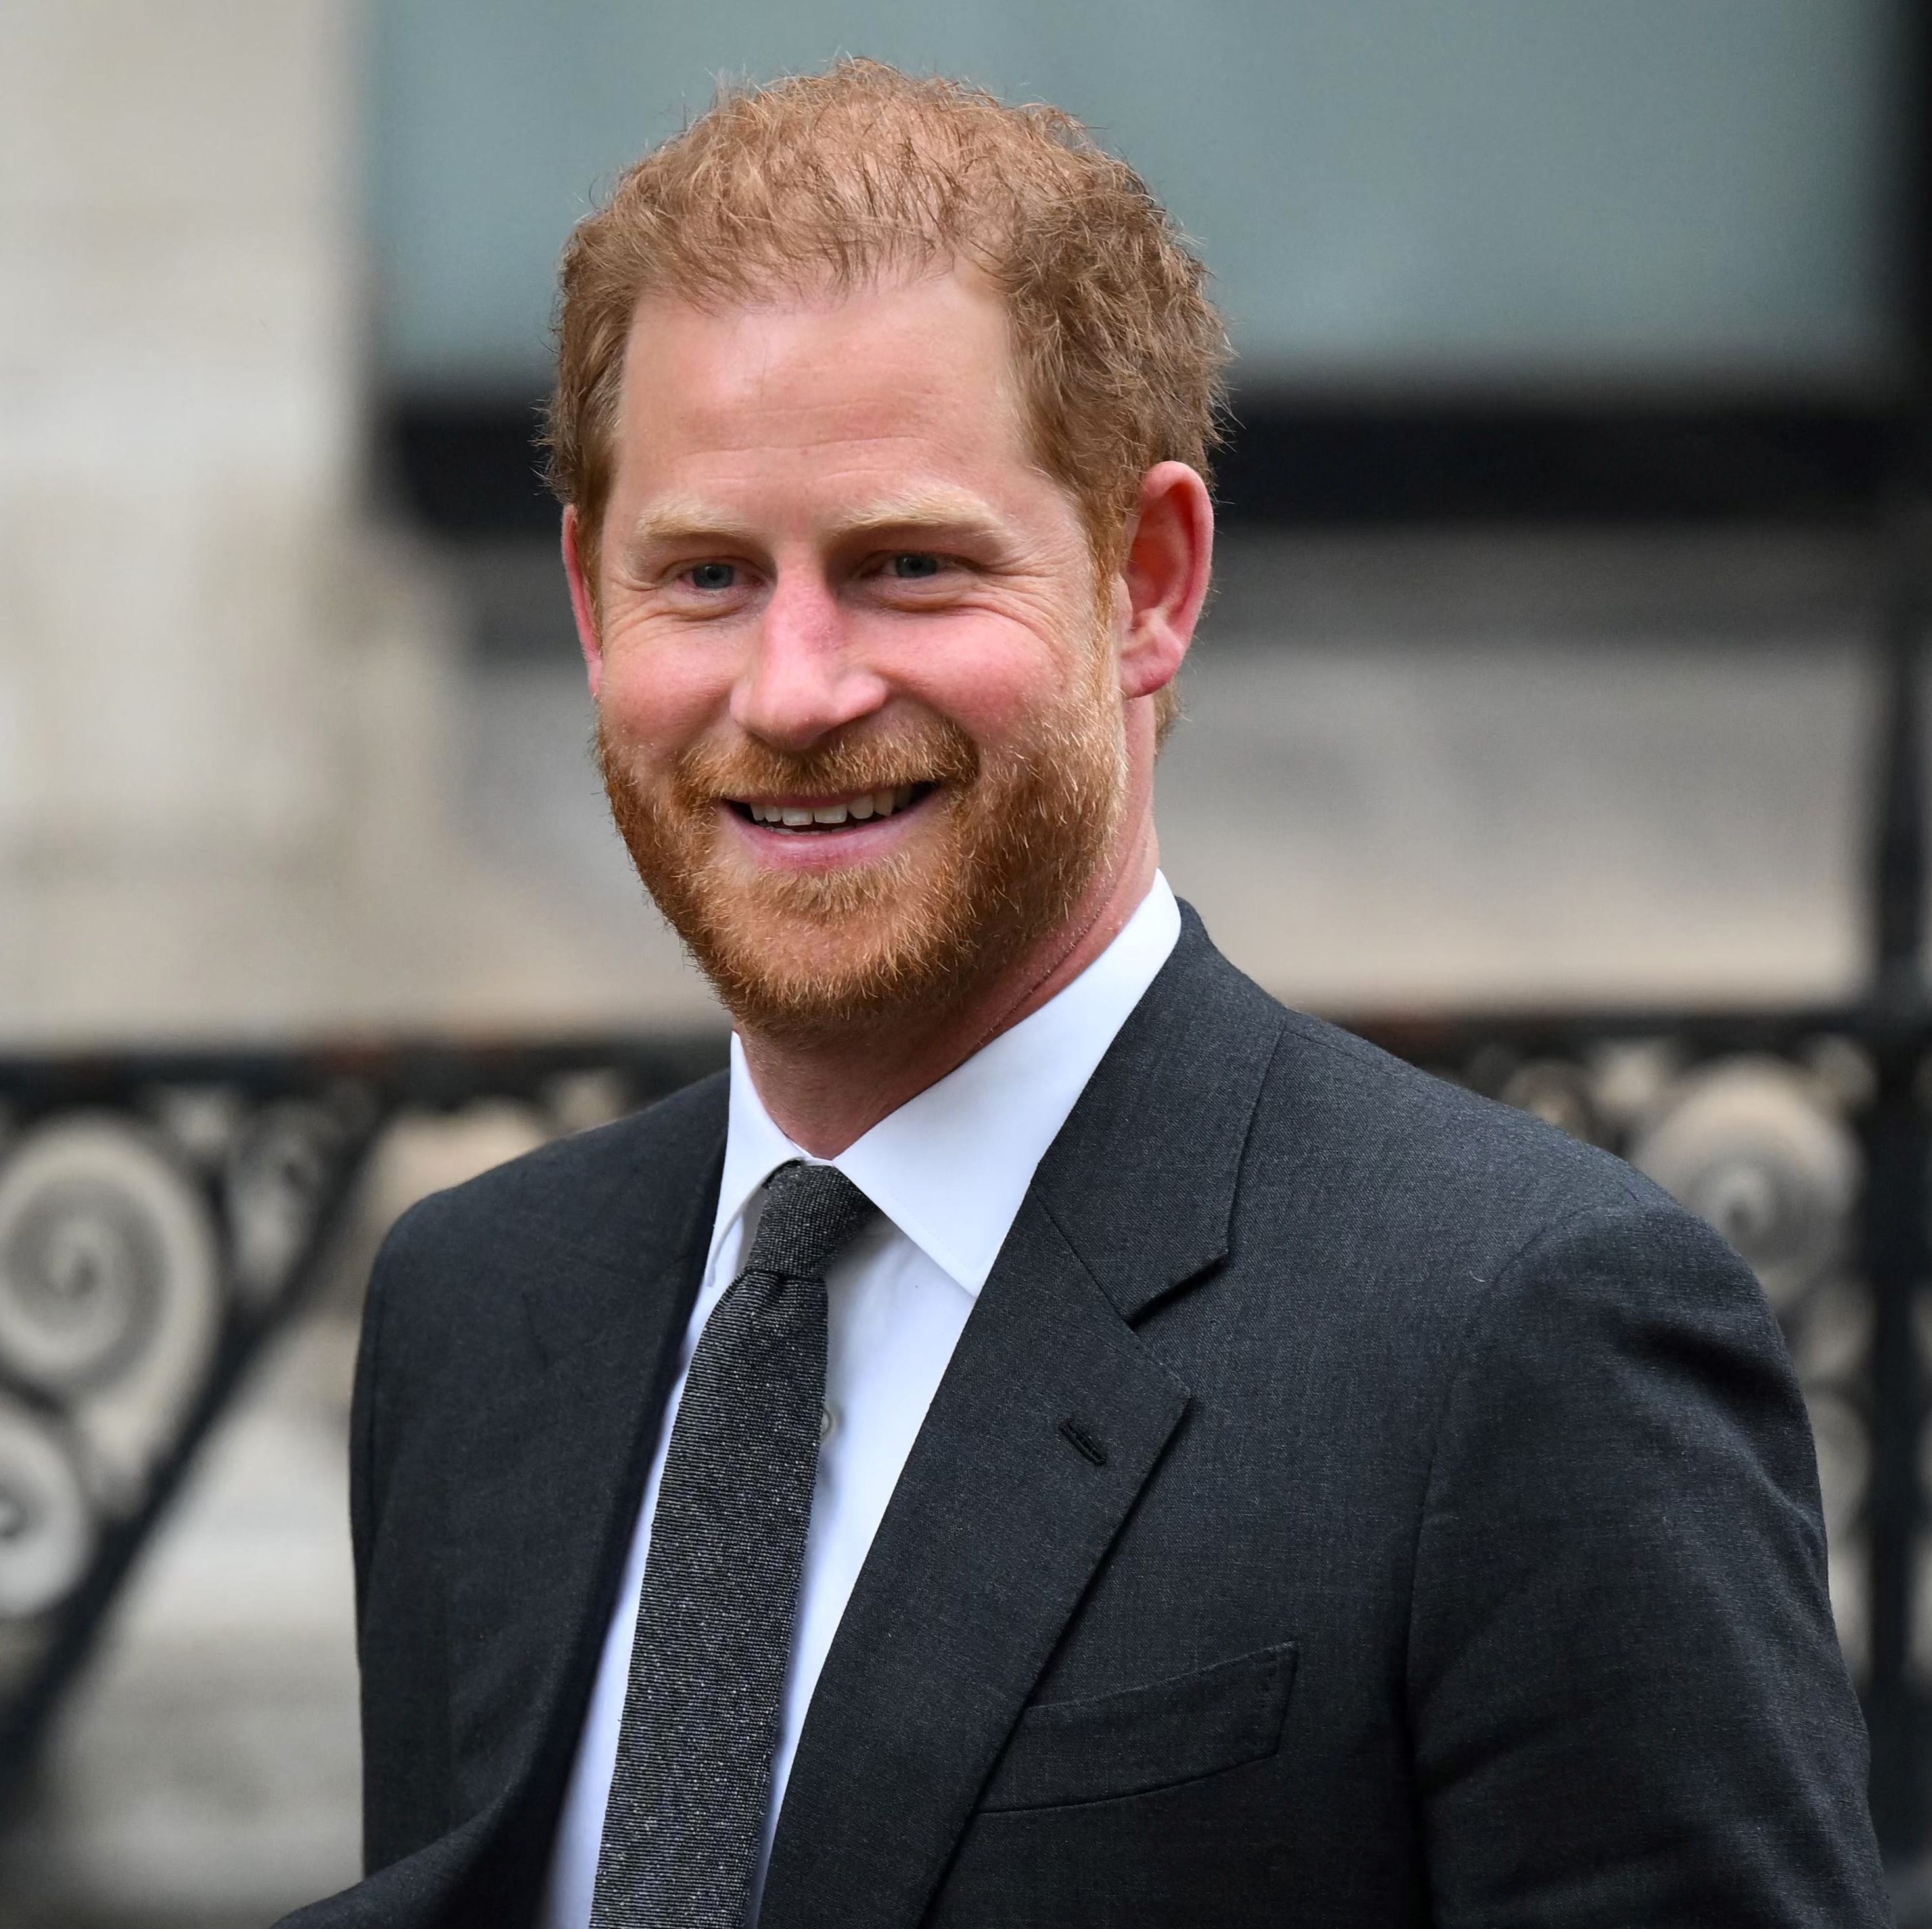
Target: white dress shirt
{"points": [[947, 1171]]}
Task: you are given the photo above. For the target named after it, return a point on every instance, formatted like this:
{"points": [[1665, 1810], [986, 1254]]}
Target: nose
{"points": [[800, 683]]}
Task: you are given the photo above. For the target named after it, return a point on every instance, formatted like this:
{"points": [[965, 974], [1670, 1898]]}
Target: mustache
{"points": [[932, 751]]}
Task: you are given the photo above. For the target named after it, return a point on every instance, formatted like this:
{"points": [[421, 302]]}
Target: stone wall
{"points": [[225, 704]]}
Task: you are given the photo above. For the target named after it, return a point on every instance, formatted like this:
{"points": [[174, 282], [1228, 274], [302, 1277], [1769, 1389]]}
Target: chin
{"points": [[807, 973]]}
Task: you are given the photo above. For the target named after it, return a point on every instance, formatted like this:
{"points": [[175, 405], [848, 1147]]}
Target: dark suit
{"points": [[1435, 1538]]}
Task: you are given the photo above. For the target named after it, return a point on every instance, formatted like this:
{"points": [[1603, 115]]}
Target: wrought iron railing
{"points": [[161, 1214]]}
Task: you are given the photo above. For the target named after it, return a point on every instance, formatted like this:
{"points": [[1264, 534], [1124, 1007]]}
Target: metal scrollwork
{"points": [[1559, 1093], [278, 1174], [161, 1214], [47, 1530], [1750, 1145], [111, 1301]]}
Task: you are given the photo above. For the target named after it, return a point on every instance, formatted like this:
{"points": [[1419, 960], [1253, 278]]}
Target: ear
{"points": [[1170, 553], [583, 600]]}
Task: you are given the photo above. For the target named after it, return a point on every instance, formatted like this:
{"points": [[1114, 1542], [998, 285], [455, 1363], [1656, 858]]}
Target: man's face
{"points": [[858, 710]]}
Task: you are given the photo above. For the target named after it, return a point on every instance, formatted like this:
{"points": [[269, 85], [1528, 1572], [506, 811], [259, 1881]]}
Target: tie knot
{"points": [[810, 1212]]}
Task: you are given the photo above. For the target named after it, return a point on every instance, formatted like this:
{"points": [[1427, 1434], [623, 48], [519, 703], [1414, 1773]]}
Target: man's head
{"points": [[882, 416]]}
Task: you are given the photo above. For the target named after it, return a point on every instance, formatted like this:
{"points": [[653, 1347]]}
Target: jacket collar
{"points": [[1142, 1179], [950, 1166]]}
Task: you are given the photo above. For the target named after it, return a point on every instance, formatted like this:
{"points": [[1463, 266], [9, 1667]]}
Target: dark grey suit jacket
{"points": [[1351, 1503]]}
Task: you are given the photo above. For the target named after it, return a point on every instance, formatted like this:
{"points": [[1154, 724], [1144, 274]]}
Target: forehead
{"points": [[914, 378]]}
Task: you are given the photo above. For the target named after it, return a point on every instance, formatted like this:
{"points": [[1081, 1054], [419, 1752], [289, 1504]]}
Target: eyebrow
{"points": [[956, 512]]}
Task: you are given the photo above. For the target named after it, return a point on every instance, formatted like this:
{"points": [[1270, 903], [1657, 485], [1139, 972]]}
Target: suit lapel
{"points": [[1051, 1416], [552, 1471], [1142, 1177], [996, 1524]]}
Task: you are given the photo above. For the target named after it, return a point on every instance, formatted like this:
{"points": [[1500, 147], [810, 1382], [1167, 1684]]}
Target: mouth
{"points": [[813, 816]]}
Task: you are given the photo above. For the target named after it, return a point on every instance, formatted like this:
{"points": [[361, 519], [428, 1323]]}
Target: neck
{"points": [[824, 1095]]}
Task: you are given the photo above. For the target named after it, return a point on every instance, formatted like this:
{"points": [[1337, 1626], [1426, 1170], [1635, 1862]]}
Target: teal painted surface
{"points": [[1404, 191]]}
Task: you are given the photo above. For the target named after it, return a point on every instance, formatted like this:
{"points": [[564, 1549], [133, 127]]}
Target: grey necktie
{"points": [[687, 1805]]}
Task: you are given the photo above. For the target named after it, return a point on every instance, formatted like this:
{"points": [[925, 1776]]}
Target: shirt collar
{"points": [[950, 1167]]}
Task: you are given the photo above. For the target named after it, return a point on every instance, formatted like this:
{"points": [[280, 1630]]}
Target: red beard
{"points": [[1013, 841]]}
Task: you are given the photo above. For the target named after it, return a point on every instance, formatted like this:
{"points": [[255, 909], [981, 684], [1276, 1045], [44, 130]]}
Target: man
{"points": [[1053, 1437]]}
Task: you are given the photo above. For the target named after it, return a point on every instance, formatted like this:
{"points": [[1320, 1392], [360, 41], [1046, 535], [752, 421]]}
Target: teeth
{"points": [[796, 817]]}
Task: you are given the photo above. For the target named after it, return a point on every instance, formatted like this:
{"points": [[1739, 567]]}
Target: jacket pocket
{"points": [[1142, 1738]]}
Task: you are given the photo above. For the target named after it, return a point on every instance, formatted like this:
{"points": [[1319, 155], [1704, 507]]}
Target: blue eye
{"points": [[915, 565], [711, 575]]}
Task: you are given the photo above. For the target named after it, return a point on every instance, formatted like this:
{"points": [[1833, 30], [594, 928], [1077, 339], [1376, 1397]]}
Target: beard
{"points": [[1013, 838]]}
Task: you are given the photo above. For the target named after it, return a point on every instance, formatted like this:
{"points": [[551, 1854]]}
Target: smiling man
{"points": [[1052, 1437], [859, 694]]}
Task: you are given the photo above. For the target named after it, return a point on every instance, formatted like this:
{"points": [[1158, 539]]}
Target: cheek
{"points": [[661, 695], [989, 682]]}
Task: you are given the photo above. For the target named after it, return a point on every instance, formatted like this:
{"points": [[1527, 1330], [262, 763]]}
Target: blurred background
{"points": [[1556, 720]]}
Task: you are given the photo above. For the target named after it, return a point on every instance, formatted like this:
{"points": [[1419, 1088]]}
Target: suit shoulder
{"points": [[1419, 1230], [1368, 1157], [591, 1190], [1399, 1149]]}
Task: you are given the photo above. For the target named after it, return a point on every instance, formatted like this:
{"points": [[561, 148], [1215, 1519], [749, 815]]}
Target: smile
{"points": [[804, 817]]}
